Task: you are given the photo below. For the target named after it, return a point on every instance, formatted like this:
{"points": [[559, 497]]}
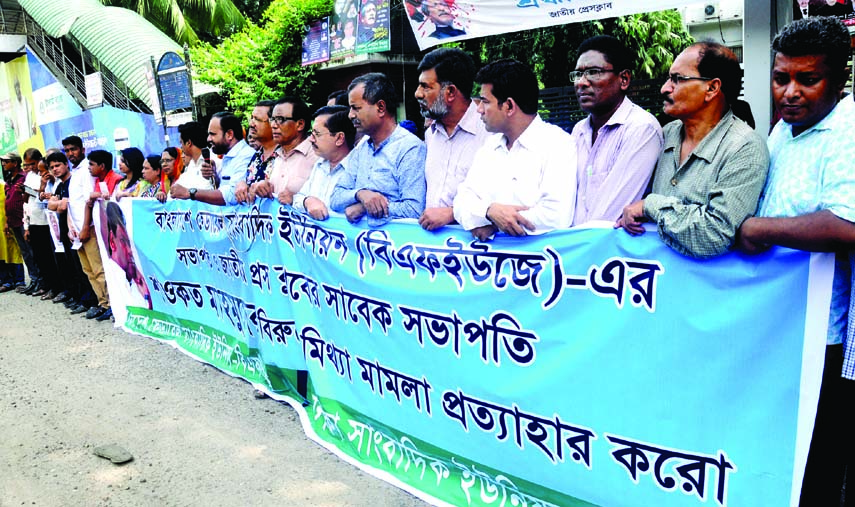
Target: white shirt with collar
{"points": [[538, 171], [192, 176]]}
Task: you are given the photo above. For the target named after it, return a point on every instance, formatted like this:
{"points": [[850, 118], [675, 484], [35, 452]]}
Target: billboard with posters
{"points": [[316, 44], [437, 21], [373, 30], [343, 25]]}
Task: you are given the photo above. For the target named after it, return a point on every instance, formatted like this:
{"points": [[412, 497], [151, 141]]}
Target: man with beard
{"points": [[120, 251], [711, 172], [618, 144], [444, 95], [80, 187], [262, 162], [225, 137]]}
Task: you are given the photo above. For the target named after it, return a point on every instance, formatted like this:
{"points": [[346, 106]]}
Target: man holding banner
{"points": [[444, 95], [523, 180], [618, 144], [809, 204], [385, 174], [709, 177]]}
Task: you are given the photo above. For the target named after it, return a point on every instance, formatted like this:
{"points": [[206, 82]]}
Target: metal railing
{"points": [[70, 73]]}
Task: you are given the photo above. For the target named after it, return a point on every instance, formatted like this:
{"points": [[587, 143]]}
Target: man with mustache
{"points": [[333, 136], [290, 123], [385, 174], [618, 144], [713, 167], [809, 204], [444, 94]]}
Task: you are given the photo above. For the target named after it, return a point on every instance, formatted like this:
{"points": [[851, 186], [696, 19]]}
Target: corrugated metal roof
{"points": [[122, 40], [57, 16]]}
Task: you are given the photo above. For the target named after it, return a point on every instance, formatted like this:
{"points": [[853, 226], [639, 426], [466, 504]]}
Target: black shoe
{"points": [[107, 315], [78, 309], [34, 286], [62, 297], [95, 311], [71, 303]]}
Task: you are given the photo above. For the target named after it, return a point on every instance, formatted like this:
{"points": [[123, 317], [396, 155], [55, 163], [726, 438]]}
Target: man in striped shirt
{"points": [[618, 144], [444, 95]]}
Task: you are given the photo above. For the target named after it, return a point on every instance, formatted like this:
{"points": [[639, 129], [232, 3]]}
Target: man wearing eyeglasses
{"points": [[290, 125], [444, 95], [618, 144], [809, 204], [333, 137], [713, 167], [262, 162]]}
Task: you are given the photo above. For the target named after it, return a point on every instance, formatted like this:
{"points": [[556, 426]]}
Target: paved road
{"points": [[198, 436]]}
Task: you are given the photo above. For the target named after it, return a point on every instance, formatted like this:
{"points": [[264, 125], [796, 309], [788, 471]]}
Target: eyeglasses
{"points": [[259, 120], [592, 74], [166, 160], [676, 79], [279, 120], [317, 133]]}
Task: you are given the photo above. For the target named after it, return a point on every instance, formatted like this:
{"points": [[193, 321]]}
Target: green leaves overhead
{"points": [[656, 37], [188, 21], [262, 61]]}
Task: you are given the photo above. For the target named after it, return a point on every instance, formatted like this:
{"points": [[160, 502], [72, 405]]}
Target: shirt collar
{"points": [[834, 118], [621, 114], [302, 148], [468, 123], [709, 145], [237, 148]]}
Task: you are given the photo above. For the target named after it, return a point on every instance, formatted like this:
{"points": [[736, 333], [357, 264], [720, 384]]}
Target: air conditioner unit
{"points": [[711, 11]]}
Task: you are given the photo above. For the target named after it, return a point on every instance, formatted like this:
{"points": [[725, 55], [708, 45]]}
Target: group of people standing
{"points": [[707, 181], [49, 205]]}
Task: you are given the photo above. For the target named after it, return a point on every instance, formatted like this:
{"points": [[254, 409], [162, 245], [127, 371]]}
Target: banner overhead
{"points": [[438, 21], [581, 367]]}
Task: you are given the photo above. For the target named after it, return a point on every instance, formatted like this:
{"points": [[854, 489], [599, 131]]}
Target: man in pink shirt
{"points": [[619, 143], [290, 122], [455, 134]]}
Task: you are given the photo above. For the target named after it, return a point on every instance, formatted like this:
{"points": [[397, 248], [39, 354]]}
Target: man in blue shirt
{"points": [[809, 204], [385, 174]]}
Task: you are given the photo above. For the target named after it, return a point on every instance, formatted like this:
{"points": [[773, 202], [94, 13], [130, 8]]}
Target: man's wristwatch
{"points": [[193, 194]]}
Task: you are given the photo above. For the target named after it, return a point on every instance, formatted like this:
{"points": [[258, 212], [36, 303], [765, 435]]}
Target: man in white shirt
{"points": [[332, 138], [193, 139], [456, 133], [523, 180]]}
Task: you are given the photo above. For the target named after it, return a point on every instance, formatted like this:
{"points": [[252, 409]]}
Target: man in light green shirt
{"points": [[713, 165]]}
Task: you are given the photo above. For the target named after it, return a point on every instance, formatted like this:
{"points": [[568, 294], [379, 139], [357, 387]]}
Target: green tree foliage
{"points": [[188, 21], [262, 61], [656, 37]]}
